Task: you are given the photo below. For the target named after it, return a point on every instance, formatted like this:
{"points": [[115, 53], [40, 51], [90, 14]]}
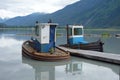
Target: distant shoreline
{"points": [[59, 28]]}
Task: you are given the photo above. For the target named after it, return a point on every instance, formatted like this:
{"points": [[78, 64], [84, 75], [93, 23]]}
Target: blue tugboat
{"points": [[42, 44], [75, 39]]}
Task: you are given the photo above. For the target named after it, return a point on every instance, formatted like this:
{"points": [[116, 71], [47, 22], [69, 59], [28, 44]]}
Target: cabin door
{"points": [[52, 37]]}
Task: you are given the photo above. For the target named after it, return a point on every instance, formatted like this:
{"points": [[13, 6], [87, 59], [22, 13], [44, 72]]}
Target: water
{"points": [[111, 43], [13, 66]]}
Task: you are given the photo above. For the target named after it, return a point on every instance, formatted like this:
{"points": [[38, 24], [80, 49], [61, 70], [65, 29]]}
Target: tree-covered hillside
{"points": [[90, 13]]}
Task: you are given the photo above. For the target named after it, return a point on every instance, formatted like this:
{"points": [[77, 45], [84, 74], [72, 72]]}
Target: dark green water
{"points": [[13, 66]]}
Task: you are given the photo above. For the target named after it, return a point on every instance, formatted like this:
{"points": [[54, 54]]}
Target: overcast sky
{"points": [[12, 8]]}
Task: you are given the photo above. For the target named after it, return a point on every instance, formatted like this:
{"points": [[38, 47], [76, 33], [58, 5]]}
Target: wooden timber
{"points": [[100, 56]]}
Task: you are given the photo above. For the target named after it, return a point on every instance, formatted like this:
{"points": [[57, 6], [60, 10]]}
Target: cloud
{"points": [[7, 13], [11, 8]]}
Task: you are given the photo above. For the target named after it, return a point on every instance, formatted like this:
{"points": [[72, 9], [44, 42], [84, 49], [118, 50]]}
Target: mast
{"points": [[67, 34]]}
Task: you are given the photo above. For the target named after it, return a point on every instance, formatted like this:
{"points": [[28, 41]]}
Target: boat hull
{"points": [[30, 52], [94, 46], [117, 35]]}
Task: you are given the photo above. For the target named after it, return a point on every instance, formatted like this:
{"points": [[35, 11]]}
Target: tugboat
{"points": [[75, 39], [42, 44]]}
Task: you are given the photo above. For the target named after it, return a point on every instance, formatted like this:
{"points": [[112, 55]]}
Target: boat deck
{"points": [[57, 55], [101, 56]]}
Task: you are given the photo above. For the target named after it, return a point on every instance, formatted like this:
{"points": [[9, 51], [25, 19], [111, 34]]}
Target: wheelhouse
{"points": [[44, 36], [75, 34]]}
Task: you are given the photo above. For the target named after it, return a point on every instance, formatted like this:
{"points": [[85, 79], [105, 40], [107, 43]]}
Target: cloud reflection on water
{"points": [[10, 48], [9, 42]]}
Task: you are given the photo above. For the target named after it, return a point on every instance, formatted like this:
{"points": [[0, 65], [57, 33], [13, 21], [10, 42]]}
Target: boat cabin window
{"points": [[70, 31], [37, 30], [77, 31]]}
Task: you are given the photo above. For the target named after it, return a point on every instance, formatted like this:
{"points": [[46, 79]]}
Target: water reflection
{"points": [[49, 70], [78, 69], [74, 68], [15, 67], [9, 48], [44, 70]]}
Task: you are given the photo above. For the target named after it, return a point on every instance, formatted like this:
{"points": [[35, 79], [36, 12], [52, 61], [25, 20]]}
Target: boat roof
{"points": [[75, 26], [46, 24]]}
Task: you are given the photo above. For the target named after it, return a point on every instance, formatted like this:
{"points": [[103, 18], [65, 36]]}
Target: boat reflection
{"points": [[47, 70], [74, 68]]}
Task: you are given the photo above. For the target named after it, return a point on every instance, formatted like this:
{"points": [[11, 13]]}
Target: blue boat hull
{"points": [[94, 46]]}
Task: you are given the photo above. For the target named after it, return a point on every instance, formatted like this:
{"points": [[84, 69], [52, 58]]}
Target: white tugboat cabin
{"points": [[75, 34], [45, 36]]}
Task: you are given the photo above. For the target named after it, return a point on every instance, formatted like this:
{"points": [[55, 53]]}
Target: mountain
{"points": [[28, 20], [3, 20], [90, 13], [77, 13]]}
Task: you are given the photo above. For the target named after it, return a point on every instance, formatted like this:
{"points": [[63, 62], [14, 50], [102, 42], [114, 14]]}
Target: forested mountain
{"points": [[3, 20], [28, 20], [90, 13]]}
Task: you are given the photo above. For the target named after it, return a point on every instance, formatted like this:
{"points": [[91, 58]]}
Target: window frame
{"points": [[79, 31]]}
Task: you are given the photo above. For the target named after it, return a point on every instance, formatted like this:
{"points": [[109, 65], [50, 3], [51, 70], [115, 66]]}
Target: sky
{"points": [[12, 8]]}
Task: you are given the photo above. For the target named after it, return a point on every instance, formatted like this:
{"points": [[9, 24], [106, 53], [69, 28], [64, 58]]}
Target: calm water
{"points": [[13, 66]]}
